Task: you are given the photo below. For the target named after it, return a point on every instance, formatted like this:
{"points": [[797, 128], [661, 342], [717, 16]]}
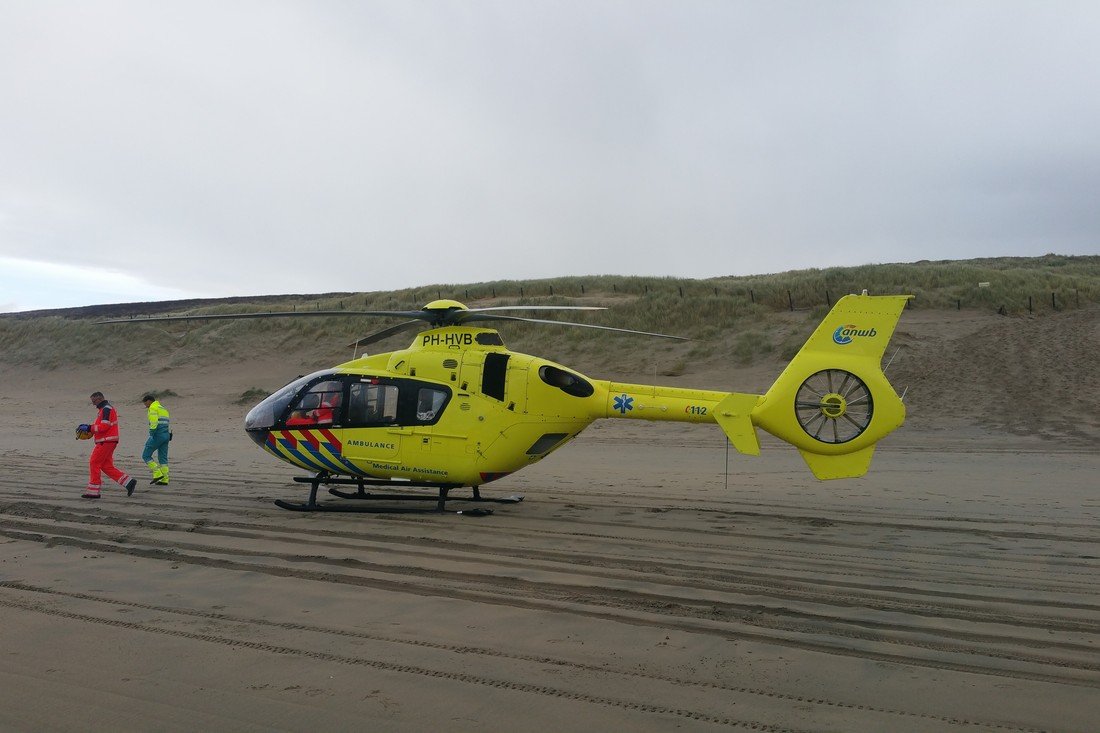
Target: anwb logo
{"points": [[846, 334]]}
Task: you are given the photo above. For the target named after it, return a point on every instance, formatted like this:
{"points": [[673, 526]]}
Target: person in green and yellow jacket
{"points": [[159, 435]]}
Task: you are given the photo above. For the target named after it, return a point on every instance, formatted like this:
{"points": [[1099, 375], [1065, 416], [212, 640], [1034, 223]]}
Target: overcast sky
{"points": [[154, 150]]}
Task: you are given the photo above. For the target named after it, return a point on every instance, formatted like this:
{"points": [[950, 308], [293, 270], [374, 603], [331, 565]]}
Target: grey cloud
{"points": [[227, 145]]}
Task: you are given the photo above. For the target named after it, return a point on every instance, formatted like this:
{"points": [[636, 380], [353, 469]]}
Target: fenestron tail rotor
{"points": [[833, 406]]}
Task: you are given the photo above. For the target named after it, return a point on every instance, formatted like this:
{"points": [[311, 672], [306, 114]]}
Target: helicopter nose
{"points": [[259, 437]]}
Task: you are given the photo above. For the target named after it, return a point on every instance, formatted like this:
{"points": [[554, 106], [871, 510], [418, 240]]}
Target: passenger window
{"points": [[429, 401], [372, 404], [565, 381]]}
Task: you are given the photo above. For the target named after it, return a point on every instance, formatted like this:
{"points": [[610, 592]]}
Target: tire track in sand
{"points": [[465, 649]]}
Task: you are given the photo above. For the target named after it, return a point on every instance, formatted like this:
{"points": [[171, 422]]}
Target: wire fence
{"points": [[1006, 297]]}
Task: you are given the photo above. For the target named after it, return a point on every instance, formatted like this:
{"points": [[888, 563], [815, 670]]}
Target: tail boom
{"points": [[832, 401], [654, 402]]}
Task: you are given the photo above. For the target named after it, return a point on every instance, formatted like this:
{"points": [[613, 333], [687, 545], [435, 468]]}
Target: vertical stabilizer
{"points": [[833, 401]]}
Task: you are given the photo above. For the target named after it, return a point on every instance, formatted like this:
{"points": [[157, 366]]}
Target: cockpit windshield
{"points": [[264, 415]]}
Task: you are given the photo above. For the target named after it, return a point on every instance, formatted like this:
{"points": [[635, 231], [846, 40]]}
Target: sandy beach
{"points": [[648, 582]]}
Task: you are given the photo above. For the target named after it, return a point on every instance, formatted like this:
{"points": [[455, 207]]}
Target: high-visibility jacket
{"points": [[105, 426], [158, 417]]}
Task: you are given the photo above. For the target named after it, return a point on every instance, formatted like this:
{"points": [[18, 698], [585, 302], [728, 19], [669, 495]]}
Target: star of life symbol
{"points": [[623, 403]]}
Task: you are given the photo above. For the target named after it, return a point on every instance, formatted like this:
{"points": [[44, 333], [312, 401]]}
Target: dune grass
{"points": [[735, 319], [252, 395]]}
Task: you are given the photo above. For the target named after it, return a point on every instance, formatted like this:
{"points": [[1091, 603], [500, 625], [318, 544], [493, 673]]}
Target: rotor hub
{"points": [[833, 405]]}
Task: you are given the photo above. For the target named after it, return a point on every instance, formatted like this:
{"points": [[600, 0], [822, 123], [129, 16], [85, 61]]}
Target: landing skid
{"points": [[312, 505]]}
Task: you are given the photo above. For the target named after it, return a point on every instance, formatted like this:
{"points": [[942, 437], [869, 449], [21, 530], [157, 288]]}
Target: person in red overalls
{"points": [[329, 404], [105, 433]]}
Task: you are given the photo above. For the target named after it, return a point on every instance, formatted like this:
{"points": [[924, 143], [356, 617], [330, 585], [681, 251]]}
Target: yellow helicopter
{"points": [[457, 408]]}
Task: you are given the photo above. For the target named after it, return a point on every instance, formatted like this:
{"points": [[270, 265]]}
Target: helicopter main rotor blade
{"points": [[435, 317], [270, 314], [537, 308], [385, 333], [488, 317]]}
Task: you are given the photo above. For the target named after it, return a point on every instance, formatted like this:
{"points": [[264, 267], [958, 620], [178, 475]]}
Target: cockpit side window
{"points": [[321, 404]]}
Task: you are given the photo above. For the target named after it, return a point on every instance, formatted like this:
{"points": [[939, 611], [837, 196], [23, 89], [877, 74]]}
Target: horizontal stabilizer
{"points": [[734, 414]]}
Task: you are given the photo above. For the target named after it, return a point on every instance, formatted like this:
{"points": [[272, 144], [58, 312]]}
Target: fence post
{"points": [[828, 300], [1029, 304], [494, 292], [790, 299], [582, 288], [1077, 293], [681, 292], [752, 296], [521, 291], [551, 289], [960, 303], [1053, 302]]}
